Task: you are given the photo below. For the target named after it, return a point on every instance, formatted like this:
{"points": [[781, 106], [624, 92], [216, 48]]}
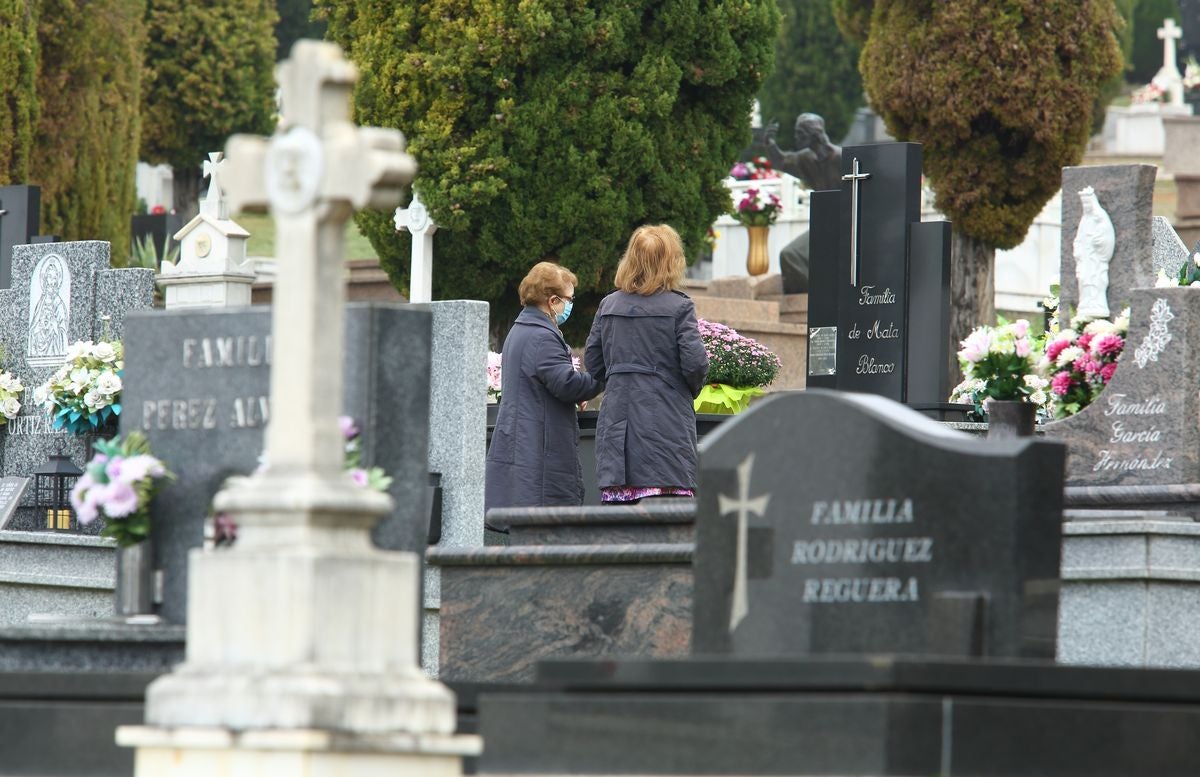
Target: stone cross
{"points": [[325, 637], [314, 173], [415, 220], [214, 204], [743, 506], [1169, 76]]}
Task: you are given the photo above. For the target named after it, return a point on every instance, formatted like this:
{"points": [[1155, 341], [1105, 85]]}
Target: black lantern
{"points": [[52, 484]]}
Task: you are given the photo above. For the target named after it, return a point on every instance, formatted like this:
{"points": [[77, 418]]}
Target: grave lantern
{"points": [[52, 484]]}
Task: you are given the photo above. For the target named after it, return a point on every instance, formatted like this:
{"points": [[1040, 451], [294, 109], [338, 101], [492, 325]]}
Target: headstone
{"points": [[902, 537], [1126, 193], [1141, 430], [301, 633], [61, 293], [416, 221], [197, 385], [879, 286], [1170, 252], [213, 270], [20, 217]]}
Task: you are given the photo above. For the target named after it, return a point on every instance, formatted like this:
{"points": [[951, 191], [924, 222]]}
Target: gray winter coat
{"points": [[534, 455], [649, 352]]}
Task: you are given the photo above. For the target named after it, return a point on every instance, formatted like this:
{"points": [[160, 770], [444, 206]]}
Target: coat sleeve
{"points": [[693, 361], [558, 375], [593, 352]]}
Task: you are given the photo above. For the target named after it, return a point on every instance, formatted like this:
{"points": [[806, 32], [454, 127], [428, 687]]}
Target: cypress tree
{"points": [[816, 71], [86, 149], [18, 89], [1000, 93], [210, 72], [552, 128]]}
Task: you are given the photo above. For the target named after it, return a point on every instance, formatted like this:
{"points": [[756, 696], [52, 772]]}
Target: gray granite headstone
{"points": [[1142, 429], [1126, 193], [1170, 252], [20, 218], [898, 536], [197, 385], [61, 293]]}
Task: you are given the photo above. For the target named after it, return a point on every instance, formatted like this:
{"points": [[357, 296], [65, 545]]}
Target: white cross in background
{"points": [[214, 204], [415, 220], [743, 506], [314, 172], [1169, 77]]}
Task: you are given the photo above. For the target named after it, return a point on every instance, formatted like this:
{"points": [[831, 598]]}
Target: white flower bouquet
{"points": [[10, 390], [85, 393]]}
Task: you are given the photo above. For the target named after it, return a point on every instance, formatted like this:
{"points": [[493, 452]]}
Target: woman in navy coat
{"points": [[533, 458], [645, 345]]}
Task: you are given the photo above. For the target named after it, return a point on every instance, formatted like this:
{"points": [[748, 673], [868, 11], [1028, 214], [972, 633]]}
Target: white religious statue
{"points": [[1093, 248]]}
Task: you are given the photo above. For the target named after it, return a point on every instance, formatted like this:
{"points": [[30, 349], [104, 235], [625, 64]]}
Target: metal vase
{"points": [[758, 261], [1010, 419], [135, 580]]}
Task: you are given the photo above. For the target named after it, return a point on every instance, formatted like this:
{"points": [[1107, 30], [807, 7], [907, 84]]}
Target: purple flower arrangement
{"points": [[117, 485], [736, 360]]}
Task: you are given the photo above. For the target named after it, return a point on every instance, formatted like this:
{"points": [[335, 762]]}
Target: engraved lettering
{"points": [[866, 297], [877, 332], [868, 366]]}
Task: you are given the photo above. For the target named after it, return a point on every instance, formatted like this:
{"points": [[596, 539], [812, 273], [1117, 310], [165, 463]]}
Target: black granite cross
{"points": [[20, 216]]}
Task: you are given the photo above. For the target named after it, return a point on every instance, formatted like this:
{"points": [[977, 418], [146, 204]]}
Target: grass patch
{"points": [[261, 227]]}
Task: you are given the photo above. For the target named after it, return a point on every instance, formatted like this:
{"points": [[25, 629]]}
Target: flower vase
{"points": [[135, 580], [1008, 419], [757, 260]]}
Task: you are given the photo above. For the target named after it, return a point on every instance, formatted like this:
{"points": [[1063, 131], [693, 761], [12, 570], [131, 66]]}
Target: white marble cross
{"points": [[213, 204], [415, 220], [314, 172], [1169, 77], [743, 506]]}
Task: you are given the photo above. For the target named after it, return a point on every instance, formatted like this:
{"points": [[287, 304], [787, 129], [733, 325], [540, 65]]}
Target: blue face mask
{"points": [[562, 317]]}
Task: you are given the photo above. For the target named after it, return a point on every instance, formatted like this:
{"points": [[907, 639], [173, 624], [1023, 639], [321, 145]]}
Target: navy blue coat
{"points": [[533, 458], [650, 354]]}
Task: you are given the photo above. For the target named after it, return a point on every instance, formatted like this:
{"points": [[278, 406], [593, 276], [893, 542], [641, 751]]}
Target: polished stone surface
{"points": [[878, 547], [1170, 252], [876, 715], [1141, 431], [1126, 193], [653, 520], [504, 609]]}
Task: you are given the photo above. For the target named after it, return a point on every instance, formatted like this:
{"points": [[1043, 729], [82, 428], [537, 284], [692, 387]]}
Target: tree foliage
{"points": [[552, 128], [86, 147], [816, 71], [1000, 93], [18, 89], [210, 72], [295, 22]]}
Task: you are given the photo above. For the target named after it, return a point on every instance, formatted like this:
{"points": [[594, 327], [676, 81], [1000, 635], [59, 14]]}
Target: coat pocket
{"points": [[610, 455]]}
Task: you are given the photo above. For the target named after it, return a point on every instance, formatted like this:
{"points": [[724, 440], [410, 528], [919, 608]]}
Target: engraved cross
{"points": [[854, 177], [743, 506]]}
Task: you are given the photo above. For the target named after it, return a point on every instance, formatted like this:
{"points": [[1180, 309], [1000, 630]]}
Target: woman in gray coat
{"points": [[534, 455], [645, 345]]}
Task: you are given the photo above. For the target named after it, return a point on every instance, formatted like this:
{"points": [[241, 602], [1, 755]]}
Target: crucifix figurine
{"points": [[854, 177]]}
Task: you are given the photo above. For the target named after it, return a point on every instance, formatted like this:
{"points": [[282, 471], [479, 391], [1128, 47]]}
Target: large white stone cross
{"points": [[1169, 77], [314, 172], [415, 220]]}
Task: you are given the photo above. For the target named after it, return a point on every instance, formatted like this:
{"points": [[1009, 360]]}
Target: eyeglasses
{"points": [[564, 297]]}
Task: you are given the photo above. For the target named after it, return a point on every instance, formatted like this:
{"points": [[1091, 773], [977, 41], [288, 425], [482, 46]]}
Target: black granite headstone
{"points": [[880, 281], [20, 217], [900, 536], [197, 385]]}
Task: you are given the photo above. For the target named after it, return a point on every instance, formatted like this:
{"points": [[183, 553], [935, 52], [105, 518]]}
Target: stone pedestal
{"points": [[1139, 128], [1187, 208], [1130, 593]]}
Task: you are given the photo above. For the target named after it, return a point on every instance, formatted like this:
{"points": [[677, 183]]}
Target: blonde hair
{"points": [[653, 261], [545, 280]]}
